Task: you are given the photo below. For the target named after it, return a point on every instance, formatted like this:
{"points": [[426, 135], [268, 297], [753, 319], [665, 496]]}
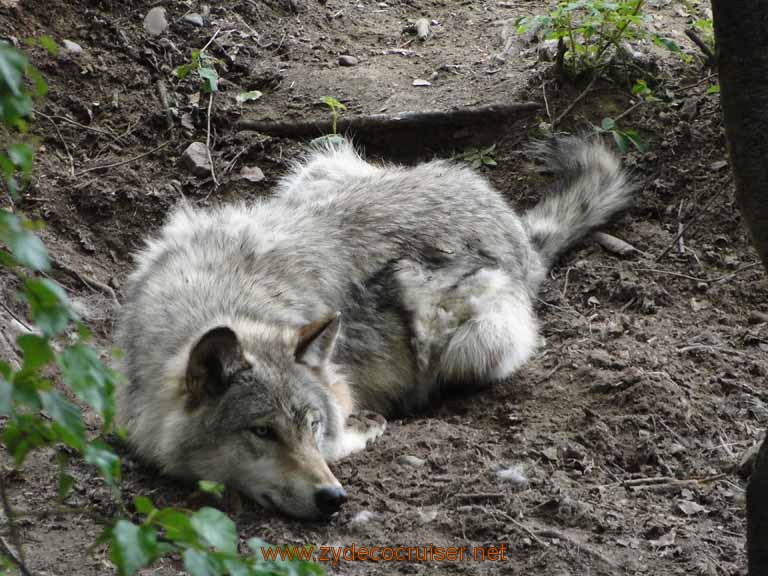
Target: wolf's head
{"points": [[261, 412]]}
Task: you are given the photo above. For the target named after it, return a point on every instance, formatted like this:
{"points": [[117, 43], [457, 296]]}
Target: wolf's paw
{"points": [[368, 425]]}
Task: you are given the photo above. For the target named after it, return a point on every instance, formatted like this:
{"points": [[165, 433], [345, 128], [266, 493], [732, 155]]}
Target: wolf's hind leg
{"points": [[499, 333]]}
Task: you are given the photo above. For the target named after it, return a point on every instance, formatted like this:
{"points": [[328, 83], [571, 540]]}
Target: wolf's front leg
{"points": [[360, 429]]}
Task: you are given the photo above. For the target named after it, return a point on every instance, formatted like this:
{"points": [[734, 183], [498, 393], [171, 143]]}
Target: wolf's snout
{"points": [[329, 499]]}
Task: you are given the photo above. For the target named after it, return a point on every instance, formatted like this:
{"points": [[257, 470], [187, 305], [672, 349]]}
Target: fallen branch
{"points": [[90, 283], [455, 118], [579, 98], [703, 46]]}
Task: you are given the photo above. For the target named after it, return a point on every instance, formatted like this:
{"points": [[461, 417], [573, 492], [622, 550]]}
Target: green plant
{"points": [[479, 157], [335, 107], [36, 414], [587, 30], [623, 138]]}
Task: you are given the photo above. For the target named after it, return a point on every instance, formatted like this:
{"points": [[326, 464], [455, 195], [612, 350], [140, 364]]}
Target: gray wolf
{"points": [[262, 341]]}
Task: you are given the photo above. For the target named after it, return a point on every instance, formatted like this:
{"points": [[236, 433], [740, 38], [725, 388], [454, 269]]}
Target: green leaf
{"points": [[714, 89], [215, 528], [184, 70], [244, 97], [25, 433], [670, 45], [199, 563], [37, 351], [177, 526], [66, 482], [99, 454], [12, 65], [143, 505], [621, 141], [210, 79], [608, 124], [66, 417], [132, 547], [48, 305], [49, 44], [333, 104], [211, 487], [27, 249], [21, 155], [6, 392], [488, 161], [637, 142], [90, 379]]}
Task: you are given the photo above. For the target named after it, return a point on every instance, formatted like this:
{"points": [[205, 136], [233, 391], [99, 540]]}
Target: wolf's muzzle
{"points": [[330, 499]]}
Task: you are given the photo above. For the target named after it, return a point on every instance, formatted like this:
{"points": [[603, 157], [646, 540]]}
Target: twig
{"points": [[578, 98], [455, 118], [691, 33], [162, 93], [8, 551], [208, 143], [482, 496], [89, 283], [680, 231], [16, 318], [210, 41], [690, 222], [64, 142], [78, 124], [522, 527], [553, 533], [13, 530], [546, 102], [689, 86], [629, 110], [128, 161]]}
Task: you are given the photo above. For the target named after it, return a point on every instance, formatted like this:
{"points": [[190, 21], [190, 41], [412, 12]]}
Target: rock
{"points": [[690, 109], [757, 317], [514, 475], [420, 82], [422, 29], [72, 47], [690, 508], [155, 22], [408, 460], [717, 166], [252, 173], [194, 18], [346, 60], [547, 51], [195, 159]]}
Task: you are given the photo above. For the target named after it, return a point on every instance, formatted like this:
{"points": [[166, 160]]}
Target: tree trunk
{"points": [[741, 32]]}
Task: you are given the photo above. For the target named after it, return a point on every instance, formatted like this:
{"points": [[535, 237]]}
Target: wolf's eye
{"points": [[263, 432]]}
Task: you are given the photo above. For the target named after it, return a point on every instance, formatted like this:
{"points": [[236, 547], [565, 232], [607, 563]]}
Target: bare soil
{"points": [[653, 367]]}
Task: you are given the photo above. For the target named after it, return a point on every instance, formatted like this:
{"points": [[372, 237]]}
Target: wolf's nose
{"points": [[329, 499]]}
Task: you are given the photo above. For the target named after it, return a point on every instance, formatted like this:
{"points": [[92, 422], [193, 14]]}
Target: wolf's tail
{"points": [[593, 187]]}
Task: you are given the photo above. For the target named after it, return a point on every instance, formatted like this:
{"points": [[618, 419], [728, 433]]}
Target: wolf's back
{"points": [[592, 189]]}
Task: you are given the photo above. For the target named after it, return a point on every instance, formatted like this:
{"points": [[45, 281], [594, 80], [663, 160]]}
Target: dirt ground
{"points": [[625, 431]]}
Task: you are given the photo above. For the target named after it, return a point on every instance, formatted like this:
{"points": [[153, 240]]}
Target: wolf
{"points": [[263, 341]]}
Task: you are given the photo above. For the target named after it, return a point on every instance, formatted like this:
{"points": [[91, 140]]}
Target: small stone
{"points": [[757, 317], [514, 475], [420, 82], [187, 121], [427, 516], [408, 460], [364, 517], [690, 508], [717, 166], [72, 47], [252, 173], [155, 22], [690, 109], [346, 60], [194, 18], [422, 29], [195, 159], [600, 359]]}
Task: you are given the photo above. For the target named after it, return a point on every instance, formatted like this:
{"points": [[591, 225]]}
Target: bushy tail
{"points": [[592, 188]]}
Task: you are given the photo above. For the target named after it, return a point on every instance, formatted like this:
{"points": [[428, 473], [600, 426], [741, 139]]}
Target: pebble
{"points": [[193, 18], [346, 60], [364, 517], [408, 460], [422, 29], [757, 317], [72, 47], [420, 82], [155, 22], [195, 159], [515, 475], [252, 173]]}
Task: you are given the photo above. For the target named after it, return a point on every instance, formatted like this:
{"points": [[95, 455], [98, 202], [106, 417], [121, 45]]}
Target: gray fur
{"points": [[434, 276]]}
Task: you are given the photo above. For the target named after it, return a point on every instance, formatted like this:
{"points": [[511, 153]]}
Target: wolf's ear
{"points": [[317, 341], [216, 355]]}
